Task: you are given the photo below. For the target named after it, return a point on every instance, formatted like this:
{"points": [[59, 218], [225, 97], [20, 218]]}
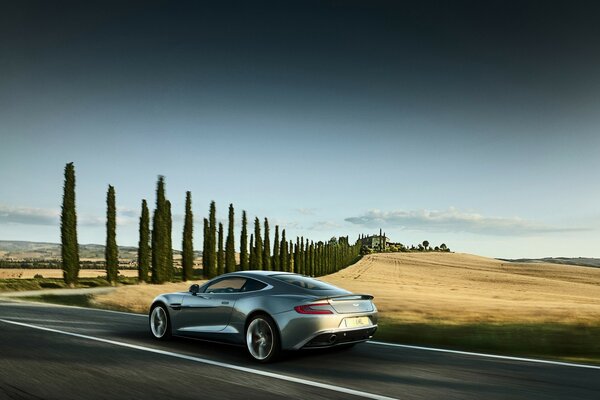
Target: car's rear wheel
{"points": [[160, 326], [262, 339]]}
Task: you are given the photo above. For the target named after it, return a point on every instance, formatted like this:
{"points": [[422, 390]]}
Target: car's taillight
{"points": [[313, 309]]}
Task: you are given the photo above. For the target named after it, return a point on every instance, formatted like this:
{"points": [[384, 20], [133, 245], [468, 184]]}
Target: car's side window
{"points": [[227, 285], [252, 285]]}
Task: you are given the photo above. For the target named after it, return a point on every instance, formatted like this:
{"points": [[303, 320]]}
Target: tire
{"points": [[262, 339], [160, 322]]}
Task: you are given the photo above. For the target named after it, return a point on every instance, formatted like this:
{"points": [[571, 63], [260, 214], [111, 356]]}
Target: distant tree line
{"points": [[302, 256], [155, 249]]}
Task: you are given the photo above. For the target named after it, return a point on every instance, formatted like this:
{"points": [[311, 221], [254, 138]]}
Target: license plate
{"points": [[357, 321]]}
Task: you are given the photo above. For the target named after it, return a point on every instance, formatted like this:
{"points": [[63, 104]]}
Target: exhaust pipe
{"points": [[332, 338]]}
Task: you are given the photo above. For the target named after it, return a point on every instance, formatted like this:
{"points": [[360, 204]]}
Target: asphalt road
{"points": [[53, 352]]}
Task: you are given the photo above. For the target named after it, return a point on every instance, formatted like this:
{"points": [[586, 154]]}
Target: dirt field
{"points": [[463, 288], [19, 273]]}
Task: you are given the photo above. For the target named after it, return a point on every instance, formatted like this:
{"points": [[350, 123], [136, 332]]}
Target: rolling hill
{"points": [[41, 251]]}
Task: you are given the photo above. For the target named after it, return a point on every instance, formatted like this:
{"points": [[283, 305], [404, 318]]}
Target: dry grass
{"points": [[24, 273], [137, 298], [460, 288], [445, 288]]}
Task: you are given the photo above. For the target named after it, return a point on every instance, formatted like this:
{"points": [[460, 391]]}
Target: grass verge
{"points": [[10, 285], [80, 300], [539, 340]]}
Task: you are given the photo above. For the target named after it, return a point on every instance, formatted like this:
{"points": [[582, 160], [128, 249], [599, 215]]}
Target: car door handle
{"points": [[224, 302]]}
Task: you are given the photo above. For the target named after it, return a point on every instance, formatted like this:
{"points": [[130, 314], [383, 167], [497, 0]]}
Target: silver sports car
{"points": [[267, 312]]}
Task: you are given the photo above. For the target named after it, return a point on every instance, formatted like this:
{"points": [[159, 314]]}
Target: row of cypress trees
{"points": [[305, 257], [155, 248]]}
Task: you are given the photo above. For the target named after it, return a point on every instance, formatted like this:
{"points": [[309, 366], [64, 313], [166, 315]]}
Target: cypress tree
{"points": [[144, 244], [283, 252], [258, 246], [230, 245], [169, 243], [267, 248], [319, 270], [291, 256], [211, 256], [325, 260], [252, 253], [159, 235], [205, 241], [187, 245], [311, 269], [276, 265], [297, 256], [301, 262], [319, 259], [220, 253], [111, 252], [68, 229], [305, 257], [244, 262]]}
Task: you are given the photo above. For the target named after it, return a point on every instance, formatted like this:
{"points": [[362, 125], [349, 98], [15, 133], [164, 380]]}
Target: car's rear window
{"points": [[304, 282]]}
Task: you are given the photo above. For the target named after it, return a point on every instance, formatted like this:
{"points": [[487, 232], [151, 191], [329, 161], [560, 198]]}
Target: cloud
{"points": [[324, 226], [124, 217], [285, 224], [306, 211], [453, 220], [51, 217], [28, 216], [128, 212]]}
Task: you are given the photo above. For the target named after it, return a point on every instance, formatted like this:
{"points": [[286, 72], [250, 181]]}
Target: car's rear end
{"points": [[325, 316], [348, 319]]}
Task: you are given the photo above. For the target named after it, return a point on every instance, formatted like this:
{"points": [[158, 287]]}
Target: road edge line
{"points": [[496, 356]]}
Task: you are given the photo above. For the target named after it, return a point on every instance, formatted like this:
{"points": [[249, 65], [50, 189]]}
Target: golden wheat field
{"points": [[463, 288], [445, 288]]}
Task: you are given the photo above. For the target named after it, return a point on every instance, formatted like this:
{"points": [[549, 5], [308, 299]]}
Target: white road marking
{"points": [[293, 379], [55, 321], [533, 360]]}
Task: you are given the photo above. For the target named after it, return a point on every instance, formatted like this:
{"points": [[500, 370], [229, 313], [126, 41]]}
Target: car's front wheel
{"points": [[160, 326], [262, 339]]}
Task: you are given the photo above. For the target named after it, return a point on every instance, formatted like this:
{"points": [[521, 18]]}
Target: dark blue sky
{"points": [[472, 123]]}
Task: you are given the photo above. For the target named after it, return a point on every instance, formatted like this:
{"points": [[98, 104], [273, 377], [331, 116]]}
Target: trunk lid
{"points": [[353, 303]]}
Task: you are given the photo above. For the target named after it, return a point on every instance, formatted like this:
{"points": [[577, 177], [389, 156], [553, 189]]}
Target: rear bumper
{"points": [[340, 337], [297, 330]]}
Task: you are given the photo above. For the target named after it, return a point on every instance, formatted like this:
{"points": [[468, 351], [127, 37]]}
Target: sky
{"points": [[474, 124]]}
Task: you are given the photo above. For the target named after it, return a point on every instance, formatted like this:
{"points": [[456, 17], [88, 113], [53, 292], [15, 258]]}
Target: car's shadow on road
{"points": [[225, 352]]}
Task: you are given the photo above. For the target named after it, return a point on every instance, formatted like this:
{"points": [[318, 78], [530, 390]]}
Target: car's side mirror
{"points": [[194, 289]]}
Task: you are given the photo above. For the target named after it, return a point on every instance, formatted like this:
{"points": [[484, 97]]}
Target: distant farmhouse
{"points": [[375, 242], [382, 243]]}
